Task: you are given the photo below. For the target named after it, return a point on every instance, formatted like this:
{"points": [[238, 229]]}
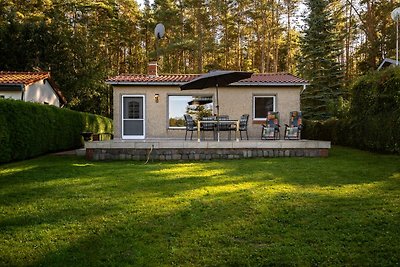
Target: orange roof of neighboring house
{"points": [[27, 78], [280, 78]]}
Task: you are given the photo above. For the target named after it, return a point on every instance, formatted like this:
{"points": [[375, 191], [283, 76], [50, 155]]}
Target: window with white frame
{"points": [[261, 106], [197, 106]]}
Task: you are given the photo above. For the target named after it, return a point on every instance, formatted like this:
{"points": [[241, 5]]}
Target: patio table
{"points": [[225, 122]]}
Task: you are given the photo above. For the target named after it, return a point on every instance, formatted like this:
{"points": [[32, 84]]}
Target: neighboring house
{"points": [[387, 62], [152, 106], [31, 87]]}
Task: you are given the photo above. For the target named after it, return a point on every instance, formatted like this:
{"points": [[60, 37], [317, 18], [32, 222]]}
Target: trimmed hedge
{"points": [[373, 135], [373, 121], [29, 129]]}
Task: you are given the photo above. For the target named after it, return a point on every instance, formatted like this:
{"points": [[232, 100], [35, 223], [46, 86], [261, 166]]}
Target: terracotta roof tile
{"points": [[24, 78], [263, 78]]}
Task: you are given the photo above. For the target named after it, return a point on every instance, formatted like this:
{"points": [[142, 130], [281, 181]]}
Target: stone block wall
{"points": [[165, 154]]}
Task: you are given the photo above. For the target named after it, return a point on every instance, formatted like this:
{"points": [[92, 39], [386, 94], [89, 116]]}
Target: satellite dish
{"points": [[396, 14], [159, 31]]}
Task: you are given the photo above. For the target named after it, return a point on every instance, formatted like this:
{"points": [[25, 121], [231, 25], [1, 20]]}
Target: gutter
{"points": [[180, 83]]}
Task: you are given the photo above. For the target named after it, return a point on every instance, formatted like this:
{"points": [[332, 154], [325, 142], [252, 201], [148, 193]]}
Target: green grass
{"points": [[65, 211]]}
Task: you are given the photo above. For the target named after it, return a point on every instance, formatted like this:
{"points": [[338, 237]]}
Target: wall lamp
{"points": [[156, 98]]}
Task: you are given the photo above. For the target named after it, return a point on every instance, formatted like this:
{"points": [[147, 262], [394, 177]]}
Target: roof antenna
{"points": [[159, 32]]}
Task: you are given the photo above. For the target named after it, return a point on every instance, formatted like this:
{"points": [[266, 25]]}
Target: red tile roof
{"points": [[24, 78], [280, 78], [27, 78]]}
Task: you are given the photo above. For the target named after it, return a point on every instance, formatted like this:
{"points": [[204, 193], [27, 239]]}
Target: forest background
{"points": [[83, 42]]}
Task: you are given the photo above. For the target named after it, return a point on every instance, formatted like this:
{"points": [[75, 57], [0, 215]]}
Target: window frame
{"points": [[127, 137], [254, 105]]}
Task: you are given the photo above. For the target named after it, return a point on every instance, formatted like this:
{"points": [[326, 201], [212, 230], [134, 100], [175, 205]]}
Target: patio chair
{"points": [[270, 130], [208, 126], [190, 125], [293, 130], [225, 126], [244, 119]]}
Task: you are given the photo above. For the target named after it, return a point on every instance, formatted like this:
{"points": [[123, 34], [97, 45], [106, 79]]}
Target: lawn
{"points": [[66, 211]]}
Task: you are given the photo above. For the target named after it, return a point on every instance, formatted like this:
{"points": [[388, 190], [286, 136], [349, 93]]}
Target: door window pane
{"points": [[133, 107], [133, 127]]}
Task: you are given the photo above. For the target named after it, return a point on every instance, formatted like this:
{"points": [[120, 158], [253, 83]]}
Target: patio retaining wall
{"points": [[166, 154]]}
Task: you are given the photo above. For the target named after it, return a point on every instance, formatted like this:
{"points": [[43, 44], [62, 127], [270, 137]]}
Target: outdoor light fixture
{"points": [[156, 98], [396, 16]]}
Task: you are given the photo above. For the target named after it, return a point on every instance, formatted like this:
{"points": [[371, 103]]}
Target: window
{"points": [[197, 106], [261, 106]]}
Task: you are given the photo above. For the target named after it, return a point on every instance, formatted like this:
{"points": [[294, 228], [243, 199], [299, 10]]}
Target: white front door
{"points": [[133, 117]]}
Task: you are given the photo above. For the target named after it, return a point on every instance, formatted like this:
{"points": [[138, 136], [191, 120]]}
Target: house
{"points": [[36, 87], [152, 106]]}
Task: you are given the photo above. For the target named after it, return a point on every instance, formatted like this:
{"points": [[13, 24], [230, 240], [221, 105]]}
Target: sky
{"points": [[140, 2]]}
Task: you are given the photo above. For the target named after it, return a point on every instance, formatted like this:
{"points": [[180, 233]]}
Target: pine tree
{"points": [[319, 63]]}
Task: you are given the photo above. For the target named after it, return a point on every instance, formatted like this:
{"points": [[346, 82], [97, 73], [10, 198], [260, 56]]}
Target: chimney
{"points": [[152, 68]]}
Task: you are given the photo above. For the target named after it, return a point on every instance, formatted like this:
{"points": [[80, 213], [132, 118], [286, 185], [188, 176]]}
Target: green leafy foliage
{"points": [[373, 120], [29, 129]]}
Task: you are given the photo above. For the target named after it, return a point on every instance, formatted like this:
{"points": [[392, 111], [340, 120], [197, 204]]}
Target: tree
{"points": [[319, 62]]}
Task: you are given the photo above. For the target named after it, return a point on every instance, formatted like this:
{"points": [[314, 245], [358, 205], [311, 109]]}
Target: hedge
{"points": [[29, 129], [373, 121]]}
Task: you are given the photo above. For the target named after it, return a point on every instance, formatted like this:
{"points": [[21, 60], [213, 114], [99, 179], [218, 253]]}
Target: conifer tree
{"points": [[319, 63]]}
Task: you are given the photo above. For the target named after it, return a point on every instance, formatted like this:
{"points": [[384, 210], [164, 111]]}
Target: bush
{"points": [[373, 120], [29, 129]]}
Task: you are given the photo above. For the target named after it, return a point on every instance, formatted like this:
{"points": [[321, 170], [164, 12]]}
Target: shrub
{"points": [[373, 120], [29, 129]]}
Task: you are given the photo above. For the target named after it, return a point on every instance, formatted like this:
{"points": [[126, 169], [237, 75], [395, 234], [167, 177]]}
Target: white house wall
{"points": [[41, 92], [16, 95], [233, 101]]}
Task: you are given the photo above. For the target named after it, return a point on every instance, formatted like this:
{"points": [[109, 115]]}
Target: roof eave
{"points": [[17, 86], [145, 83], [260, 84]]}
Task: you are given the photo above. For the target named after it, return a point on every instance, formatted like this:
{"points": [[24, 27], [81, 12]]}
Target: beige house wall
{"points": [[234, 101]]}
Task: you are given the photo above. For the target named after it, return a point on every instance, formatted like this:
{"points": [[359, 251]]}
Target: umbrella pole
{"points": [[216, 87]]}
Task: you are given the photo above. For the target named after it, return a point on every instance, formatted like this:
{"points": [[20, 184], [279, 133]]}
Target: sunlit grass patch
{"points": [[341, 210]]}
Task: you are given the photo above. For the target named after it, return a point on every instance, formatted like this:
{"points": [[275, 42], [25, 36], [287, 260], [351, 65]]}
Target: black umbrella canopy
{"points": [[200, 101], [216, 78]]}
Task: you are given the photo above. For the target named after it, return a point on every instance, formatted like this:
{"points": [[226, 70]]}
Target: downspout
{"points": [[304, 88], [23, 87]]}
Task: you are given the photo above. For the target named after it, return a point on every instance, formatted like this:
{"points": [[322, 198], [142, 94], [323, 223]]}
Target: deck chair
{"points": [[270, 130], [190, 125], [225, 126], [293, 129], [244, 119], [208, 126]]}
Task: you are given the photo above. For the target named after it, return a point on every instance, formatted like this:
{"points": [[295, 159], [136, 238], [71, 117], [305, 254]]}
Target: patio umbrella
{"points": [[200, 101], [216, 78]]}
